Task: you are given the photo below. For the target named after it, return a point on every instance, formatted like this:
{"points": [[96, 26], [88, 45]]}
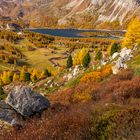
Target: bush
{"points": [[92, 76], [98, 75], [115, 122]]}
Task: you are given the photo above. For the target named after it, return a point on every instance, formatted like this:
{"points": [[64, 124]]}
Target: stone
{"points": [[115, 55], [124, 56], [119, 63], [76, 70], [125, 51], [9, 116], [26, 101], [103, 62], [115, 70], [69, 76]]}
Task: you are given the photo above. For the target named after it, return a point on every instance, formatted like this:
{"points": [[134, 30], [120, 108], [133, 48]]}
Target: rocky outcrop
{"points": [[73, 73], [26, 102], [124, 56]]}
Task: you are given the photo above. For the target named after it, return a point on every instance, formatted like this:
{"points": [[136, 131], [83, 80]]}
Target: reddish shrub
{"points": [[69, 123], [126, 74]]}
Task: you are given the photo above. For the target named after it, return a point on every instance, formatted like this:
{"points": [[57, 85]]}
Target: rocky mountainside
{"points": [[59, 12]]}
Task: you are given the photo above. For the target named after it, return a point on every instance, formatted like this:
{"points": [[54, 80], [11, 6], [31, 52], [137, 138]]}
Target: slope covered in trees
{"points": [[133, 34]]}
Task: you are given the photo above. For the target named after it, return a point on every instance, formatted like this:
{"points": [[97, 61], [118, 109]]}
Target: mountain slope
{"points": [[41, 12]]}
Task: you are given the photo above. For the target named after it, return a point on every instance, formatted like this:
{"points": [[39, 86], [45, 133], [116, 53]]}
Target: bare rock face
{"points": [[106, 10], [26, 102]]}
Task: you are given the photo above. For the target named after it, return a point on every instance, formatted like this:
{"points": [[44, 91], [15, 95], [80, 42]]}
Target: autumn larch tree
{"points": [[132, 37]]}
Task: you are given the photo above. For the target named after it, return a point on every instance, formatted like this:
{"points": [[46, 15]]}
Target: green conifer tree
{"points": [[115, 48], [69, 62], [86, 60], [47, 73]]}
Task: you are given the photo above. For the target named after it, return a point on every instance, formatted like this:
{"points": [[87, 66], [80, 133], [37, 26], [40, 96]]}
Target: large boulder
{"points": [[26, 101], [8, 116]]}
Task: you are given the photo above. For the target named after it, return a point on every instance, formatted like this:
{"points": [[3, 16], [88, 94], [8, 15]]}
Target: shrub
{"points": [[57, 123], [126, 74], [115, 122], [98, 75], [83, 92], [92, 76]]}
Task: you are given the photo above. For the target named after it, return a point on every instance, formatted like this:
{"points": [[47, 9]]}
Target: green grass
{"points": [[39, 58]]}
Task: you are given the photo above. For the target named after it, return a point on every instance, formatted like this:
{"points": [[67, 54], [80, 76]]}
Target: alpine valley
{"points": [[69, 69]]}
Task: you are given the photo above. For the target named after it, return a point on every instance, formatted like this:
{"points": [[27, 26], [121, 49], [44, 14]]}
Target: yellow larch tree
{"points": [[79, 55], [132, 37]]}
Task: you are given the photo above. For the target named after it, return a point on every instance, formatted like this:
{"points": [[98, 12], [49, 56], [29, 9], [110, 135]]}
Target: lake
{"points": [[75, 33]]}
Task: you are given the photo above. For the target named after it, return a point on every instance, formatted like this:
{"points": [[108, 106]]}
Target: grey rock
{"points": [[8, 115], [26, 101], [120, 63], [115, 55]]}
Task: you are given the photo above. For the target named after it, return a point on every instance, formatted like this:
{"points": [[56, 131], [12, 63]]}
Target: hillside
{"points": [[70, 88], [69, 84], [89, 13]]}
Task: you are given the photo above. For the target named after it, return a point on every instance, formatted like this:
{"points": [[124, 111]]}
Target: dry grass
{"points": [[111, 112]]}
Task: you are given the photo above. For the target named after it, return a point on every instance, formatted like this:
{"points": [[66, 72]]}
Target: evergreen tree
{"points": [[98, 55], [86, 60], [115, 48], [69, 62], [47, 73], [27, 76]]}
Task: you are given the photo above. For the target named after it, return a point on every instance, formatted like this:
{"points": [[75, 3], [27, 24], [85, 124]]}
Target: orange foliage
{"points": [[97, 75]]}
